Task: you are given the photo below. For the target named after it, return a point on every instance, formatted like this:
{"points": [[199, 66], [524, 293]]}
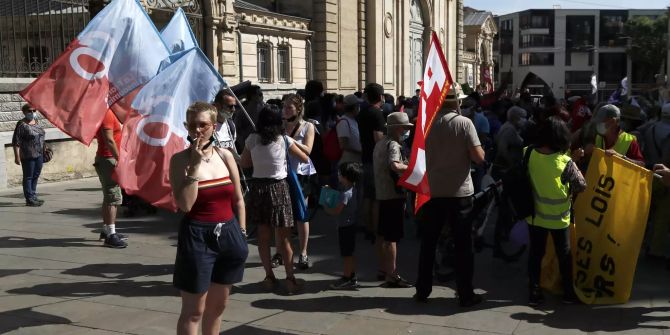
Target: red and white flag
{"points": [[118, 51], [434, 88]]}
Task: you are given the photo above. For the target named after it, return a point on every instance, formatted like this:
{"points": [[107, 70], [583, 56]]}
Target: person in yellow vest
{"points": [[555, 177], [611, 138]]}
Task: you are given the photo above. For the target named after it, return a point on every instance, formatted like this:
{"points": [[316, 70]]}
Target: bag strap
{"points": [[295, 130], [526, 157]]}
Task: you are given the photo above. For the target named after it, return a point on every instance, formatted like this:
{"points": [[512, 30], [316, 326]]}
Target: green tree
{"points": [[648, 46]]}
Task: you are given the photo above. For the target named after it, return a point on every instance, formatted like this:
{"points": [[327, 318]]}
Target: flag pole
{"points": [[253, 125]]}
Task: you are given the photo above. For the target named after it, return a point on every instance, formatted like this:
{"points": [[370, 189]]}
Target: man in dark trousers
{"points": [[452, 145]]}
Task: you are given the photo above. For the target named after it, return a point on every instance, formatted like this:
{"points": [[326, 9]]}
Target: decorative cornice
{"points": [[251, 20]]}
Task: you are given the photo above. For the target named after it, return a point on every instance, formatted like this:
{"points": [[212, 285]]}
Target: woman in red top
{"points": [[212, 247]]}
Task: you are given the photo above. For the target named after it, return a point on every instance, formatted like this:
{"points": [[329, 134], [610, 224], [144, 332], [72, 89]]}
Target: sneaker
{"points": [[103, 236], [113, 241], [276, 261], [34, 203], [303, 262], [397, 282], [293, 285], [345, 283], [535, 297], [473, 300]]}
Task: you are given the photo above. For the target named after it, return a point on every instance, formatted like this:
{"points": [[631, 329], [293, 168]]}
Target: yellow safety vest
{"points": [[622, 143], [552, 203]]}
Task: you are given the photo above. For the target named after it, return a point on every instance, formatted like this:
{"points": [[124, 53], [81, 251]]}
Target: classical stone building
{"points": [[277, 44], [480, 31]]}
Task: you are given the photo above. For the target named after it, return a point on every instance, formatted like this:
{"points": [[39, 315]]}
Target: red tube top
{"points": [[214, 202]]}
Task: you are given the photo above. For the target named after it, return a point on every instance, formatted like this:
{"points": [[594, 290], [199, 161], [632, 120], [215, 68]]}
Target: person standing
{"points": [[554, 177], [225, 132], [303, 133], [106, 158], [211, 248], [348, 134], [451, 196], [371, 127], [389, 163], [28, 144], [269, 198], [611, 138]]}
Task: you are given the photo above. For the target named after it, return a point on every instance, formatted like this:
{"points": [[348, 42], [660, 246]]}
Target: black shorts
{"points": [[204, 258], [391, 219], [346, 237]]}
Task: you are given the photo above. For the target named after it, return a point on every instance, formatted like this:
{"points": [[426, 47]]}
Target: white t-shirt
{"points": [[348, 128], [225, 136], [269, 161]]}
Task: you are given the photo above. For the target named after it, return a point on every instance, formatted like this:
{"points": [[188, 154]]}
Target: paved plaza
{"points": [[56, 278]]}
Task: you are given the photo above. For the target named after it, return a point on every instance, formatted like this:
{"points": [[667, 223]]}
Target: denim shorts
{"points": [[209, 253]]}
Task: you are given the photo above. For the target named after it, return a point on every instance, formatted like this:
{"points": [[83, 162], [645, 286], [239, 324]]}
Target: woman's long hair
{"points": [[269, 125]]}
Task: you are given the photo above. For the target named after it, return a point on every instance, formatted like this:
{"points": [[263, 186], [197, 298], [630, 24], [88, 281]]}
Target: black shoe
{"points": [[345, 283], [473, 300], [397, 282], [34, 203], [103, 236], [535, 297], [276, 261], [303, 262], [420, 299], [113, 241]]}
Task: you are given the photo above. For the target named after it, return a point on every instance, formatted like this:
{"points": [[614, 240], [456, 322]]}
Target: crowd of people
{"points": [[237, 172]]}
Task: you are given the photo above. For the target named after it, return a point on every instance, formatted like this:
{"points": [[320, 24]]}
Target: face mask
{"points": [[30, 116], [404, 136], [601, 128], [226, 115]]}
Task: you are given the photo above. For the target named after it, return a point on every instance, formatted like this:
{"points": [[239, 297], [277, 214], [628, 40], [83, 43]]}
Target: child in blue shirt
{"points": [[346, 211]]}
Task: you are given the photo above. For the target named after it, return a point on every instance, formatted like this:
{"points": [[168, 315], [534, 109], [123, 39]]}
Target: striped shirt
{"points": [[29, 138]]}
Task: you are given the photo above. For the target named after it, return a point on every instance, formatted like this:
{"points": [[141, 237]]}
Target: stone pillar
{"points": [[361, 44], [325, 43], [222, 43], [460, 36]]}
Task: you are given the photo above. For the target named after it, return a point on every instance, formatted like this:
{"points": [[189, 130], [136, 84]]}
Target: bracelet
{"points": [[191, 179]]}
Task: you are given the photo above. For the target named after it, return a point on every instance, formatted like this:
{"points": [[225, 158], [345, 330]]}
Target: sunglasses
{"points": [[202, 126]]}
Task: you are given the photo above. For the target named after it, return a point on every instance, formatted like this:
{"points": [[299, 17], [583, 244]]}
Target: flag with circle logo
{"points": [[119, 50], [155, 130]]}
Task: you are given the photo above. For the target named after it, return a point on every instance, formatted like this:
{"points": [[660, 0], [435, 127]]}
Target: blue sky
{"points": [[509, 6]]}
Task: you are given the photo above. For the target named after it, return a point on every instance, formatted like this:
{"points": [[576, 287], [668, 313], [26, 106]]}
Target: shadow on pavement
{"points": [[90, 213], [12, 272], [21, 196], [247, 330], [27, 242], [121, 271], [26, 317], [84, 189], [593, 319], [149, 225], [122, 288], [12, 204]]}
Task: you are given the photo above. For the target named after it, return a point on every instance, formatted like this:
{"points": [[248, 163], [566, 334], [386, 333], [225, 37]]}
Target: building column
{"points": [[325, 46], [460, 77], [361, 45]]}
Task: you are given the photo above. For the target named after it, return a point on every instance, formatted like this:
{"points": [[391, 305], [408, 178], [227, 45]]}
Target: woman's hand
{"points": [[196, 153]]}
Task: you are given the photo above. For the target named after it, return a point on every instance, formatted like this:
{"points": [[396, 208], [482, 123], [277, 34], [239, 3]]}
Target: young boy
{"points": [[346, 211]]}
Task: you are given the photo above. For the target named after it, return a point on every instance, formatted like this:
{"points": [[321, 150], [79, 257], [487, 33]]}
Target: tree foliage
{"points": [[648, 47]]}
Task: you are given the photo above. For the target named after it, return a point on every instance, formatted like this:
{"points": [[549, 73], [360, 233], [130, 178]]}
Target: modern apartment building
{"points": [[558, 50]]}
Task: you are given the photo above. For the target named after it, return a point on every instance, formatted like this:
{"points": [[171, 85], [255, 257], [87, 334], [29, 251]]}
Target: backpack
{"points": [[331, 144], [518, 189]]}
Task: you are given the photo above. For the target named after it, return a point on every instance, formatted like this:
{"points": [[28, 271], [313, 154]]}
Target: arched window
{"points": [[284, 64], [264, 64]]}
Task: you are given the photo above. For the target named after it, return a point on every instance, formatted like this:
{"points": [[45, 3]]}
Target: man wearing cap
{"points": [[371, 126], [389, 164], [611, 138], [451, 146], [347, 131]]}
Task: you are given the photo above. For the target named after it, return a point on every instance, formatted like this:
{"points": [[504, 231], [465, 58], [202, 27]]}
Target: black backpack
{"points": [[518, 189]]}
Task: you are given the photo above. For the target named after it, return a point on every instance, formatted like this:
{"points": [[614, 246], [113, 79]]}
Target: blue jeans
{"points": [[32, 167]]}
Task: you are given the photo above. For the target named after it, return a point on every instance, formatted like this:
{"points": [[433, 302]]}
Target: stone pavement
{"points": [[56, 278]]}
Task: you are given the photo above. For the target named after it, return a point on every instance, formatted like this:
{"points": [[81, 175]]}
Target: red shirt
{"points": [[111, 123], [634, 151]]}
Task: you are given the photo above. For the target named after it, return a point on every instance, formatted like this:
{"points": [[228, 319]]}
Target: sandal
{"points": [[292, 285], [269, 283]]}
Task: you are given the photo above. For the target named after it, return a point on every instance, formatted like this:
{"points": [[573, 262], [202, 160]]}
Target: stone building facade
{"points": [[277, 44], [480, 31]]}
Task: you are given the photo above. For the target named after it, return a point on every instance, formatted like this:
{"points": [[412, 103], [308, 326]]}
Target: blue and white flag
{"points": [[155, 129], [178, 35]]}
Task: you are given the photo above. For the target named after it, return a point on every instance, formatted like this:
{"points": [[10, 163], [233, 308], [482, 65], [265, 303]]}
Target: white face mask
{"points": [[404, 136], [601, 128]]}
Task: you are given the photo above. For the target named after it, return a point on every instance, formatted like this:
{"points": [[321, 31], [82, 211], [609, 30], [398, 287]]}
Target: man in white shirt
{"points": [[225, 132]]}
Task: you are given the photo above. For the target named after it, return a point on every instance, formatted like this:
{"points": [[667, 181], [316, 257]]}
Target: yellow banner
{"points": [[610, 218]]}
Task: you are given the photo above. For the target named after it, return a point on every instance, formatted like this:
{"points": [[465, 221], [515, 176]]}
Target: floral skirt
{"points": [[269, 202]]}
